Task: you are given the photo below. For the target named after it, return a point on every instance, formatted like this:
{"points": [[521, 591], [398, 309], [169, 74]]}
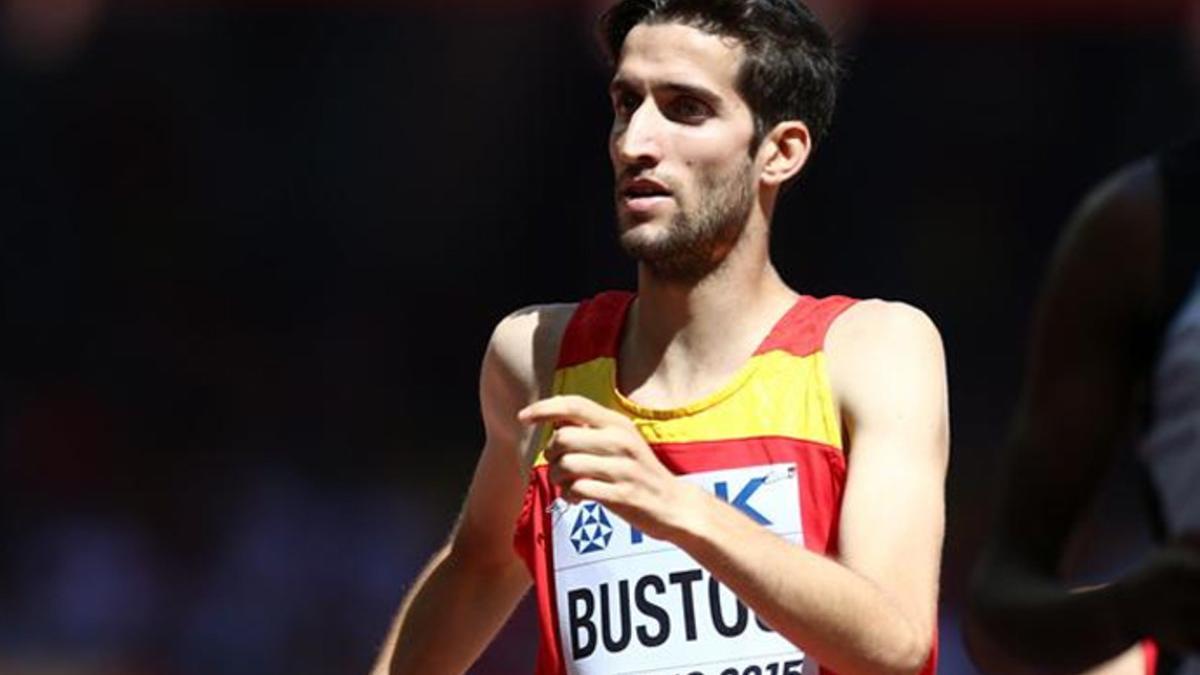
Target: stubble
{"points": [[699, 239]]}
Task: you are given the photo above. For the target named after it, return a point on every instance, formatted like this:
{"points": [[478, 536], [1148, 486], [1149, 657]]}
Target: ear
{"points": [[784, 151]]}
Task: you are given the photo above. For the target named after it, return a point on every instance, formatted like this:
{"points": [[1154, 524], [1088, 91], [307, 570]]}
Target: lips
{"points": [[644, 195], [644, 187]]}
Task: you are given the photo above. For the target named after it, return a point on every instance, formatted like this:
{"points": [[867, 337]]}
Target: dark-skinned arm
{"points": [[1092, 341]]}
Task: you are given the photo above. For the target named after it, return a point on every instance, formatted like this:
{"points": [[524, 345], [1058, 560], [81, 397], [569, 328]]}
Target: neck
{"points": [[684, 336]]}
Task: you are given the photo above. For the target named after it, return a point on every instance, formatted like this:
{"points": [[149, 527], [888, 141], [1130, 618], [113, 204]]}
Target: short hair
{"points": [[789, 71]]}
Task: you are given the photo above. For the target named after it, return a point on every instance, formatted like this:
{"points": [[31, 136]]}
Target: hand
{"points": [[1161, 598], [598, 454]]}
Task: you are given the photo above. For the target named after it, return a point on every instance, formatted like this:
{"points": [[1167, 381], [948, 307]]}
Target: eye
{"points": [[689, 109], [624, 103]]}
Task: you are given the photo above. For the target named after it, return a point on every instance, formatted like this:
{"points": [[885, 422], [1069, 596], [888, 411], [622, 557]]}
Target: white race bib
{"points": [[628, 603]]}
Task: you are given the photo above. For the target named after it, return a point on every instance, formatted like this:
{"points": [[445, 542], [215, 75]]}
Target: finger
{"points": [[592, 490], [571, 410], [589, 440], [576, 466]]}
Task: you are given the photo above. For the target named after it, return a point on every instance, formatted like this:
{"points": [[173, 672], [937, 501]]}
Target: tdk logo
{"points": [[591, 531]]}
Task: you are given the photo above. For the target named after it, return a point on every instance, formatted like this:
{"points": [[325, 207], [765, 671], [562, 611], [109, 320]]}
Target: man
{"points": [[1120, 313], [717, 475]]}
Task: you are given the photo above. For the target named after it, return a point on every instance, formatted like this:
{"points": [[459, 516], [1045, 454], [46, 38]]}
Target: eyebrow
{"points": [[619, 84]]}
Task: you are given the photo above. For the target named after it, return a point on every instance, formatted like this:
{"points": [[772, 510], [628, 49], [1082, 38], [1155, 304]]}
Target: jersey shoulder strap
{"points": [[594, 330], [802, 330]]}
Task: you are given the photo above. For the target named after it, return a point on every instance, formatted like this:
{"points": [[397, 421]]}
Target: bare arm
{"points": [[1090, 352], [871, 610], [472, 584]]}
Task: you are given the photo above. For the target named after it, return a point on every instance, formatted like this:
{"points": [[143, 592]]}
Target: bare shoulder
{"points": [[1115, 224], [1108, 261], [872, 329], [518, 369], [524, 346], [887, 366], [1117, 207]]}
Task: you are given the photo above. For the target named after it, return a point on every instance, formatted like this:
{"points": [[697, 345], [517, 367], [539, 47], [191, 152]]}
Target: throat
{"points": [[684, 385], [697, 357]]}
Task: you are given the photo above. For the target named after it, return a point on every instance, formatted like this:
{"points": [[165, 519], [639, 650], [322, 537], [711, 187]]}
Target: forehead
{"points": [[680, 54]]}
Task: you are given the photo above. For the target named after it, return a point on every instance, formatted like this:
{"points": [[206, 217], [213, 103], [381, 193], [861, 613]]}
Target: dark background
{"points": [[251, 255]]}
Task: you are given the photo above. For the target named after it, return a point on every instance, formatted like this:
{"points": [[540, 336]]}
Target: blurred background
{"points": [[251, 254]]}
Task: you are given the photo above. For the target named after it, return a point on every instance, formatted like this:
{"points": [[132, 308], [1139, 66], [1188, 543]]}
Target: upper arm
{"points": [[887, 370], [1092, 338], [518, 369]]}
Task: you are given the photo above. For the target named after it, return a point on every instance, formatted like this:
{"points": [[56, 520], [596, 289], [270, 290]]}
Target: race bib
{"points": [[628, 603]]}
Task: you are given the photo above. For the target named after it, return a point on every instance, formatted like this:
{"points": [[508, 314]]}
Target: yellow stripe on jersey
{"points": [[774, 394]]}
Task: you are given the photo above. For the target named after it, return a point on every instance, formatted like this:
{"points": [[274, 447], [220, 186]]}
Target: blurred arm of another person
{"points": [[471, 585], [1095, 336]]}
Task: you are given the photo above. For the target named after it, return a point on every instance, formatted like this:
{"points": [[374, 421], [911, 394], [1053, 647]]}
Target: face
{"points": [[680, 148]]}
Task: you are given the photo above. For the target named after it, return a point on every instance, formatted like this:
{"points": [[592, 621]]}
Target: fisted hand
{"points": [[597, 453], [1162, 596]]}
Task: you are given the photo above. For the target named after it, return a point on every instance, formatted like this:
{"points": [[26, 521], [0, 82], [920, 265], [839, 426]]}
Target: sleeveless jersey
{"points": [[613, 600]]}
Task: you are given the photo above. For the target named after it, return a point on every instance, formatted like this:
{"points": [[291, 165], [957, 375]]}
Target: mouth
{"points": [[643, 194]]}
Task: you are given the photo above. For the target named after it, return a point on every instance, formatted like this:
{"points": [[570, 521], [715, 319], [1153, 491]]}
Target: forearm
{"points": [[456, 592], [1022, 621], [842, 619]]}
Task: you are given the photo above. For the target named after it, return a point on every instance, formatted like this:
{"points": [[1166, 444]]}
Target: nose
{"points": [[637, 140]]}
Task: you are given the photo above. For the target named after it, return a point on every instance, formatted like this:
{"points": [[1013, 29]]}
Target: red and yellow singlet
{"points": [[613, 600]]}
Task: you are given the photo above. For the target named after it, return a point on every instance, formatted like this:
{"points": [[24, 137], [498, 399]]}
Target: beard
{"points": [[698, 239]]}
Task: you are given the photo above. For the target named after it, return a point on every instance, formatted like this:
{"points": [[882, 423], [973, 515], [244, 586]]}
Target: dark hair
{"points": [[789, 71]]}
